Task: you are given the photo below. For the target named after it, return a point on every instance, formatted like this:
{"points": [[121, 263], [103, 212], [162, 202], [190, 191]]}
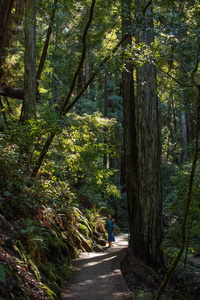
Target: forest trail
{"points": [[98, 276]]}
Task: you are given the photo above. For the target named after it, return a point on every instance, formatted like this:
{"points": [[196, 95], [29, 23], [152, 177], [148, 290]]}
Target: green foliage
{"points": [[77, 171], [142, 295], [83, 229], [95, 219], [2, 274], [51, 295], [37, 239], [175, 206]]}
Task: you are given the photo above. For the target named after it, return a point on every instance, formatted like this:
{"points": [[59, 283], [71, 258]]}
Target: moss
{"points": [[83, 229], [55, 287], [26, 259], [85, 222], [50, 294], [64, 271], [48, 270], [54, 275]]}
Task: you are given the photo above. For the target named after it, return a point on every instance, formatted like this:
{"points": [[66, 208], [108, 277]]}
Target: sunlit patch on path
{"points": [[98, 276]]}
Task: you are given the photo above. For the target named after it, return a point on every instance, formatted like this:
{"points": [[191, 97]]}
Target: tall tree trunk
{"points": [[105, 158], [147, 211], [130, 148], [29, 107], [184, 135], [5, 21], [6, 18]]}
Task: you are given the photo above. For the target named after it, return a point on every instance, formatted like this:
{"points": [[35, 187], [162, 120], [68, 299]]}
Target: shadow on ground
{"points": [[98, 276]]}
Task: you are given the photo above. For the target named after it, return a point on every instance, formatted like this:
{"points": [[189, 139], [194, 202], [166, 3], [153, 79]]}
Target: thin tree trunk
{"points": [[42, 155], [197, 295], [29, 104], [80, 65], [91, 68], [52, 135], [189, 126], [46, 45], [3, 112], [184, 135], [80, 81], [172, 269], [65, 108]]}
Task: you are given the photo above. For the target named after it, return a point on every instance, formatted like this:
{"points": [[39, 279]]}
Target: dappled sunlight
{"points": [[93, 263], [98, 276]]}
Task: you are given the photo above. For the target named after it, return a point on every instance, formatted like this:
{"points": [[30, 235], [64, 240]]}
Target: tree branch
{"points": [[146, 7], [11, 92], [63, 108], [94, 74], [46, 45], [177, 81]]}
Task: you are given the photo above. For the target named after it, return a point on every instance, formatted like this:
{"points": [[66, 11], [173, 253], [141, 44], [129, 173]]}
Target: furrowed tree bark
{"points": [[105, 158], [6, 18], [5, 21], [29, 104], [147, 209], [129, 121]]}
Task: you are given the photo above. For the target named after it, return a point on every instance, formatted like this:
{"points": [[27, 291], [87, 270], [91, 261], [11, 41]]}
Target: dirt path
{"points": [[97, 275]]}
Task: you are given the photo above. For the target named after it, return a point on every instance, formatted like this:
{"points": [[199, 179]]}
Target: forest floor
{"points": [[98, 276]]}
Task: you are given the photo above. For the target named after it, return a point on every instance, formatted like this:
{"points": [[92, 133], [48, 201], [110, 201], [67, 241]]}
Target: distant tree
{"points": [[29, 104], [11, 16], [5, 21]]}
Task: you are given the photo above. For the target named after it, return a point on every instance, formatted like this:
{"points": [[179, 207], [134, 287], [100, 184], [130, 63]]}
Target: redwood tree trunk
{"points": [[29, 109], [5, 20], [7, 16], [105, 158], [130, 148], [147, 210]]}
